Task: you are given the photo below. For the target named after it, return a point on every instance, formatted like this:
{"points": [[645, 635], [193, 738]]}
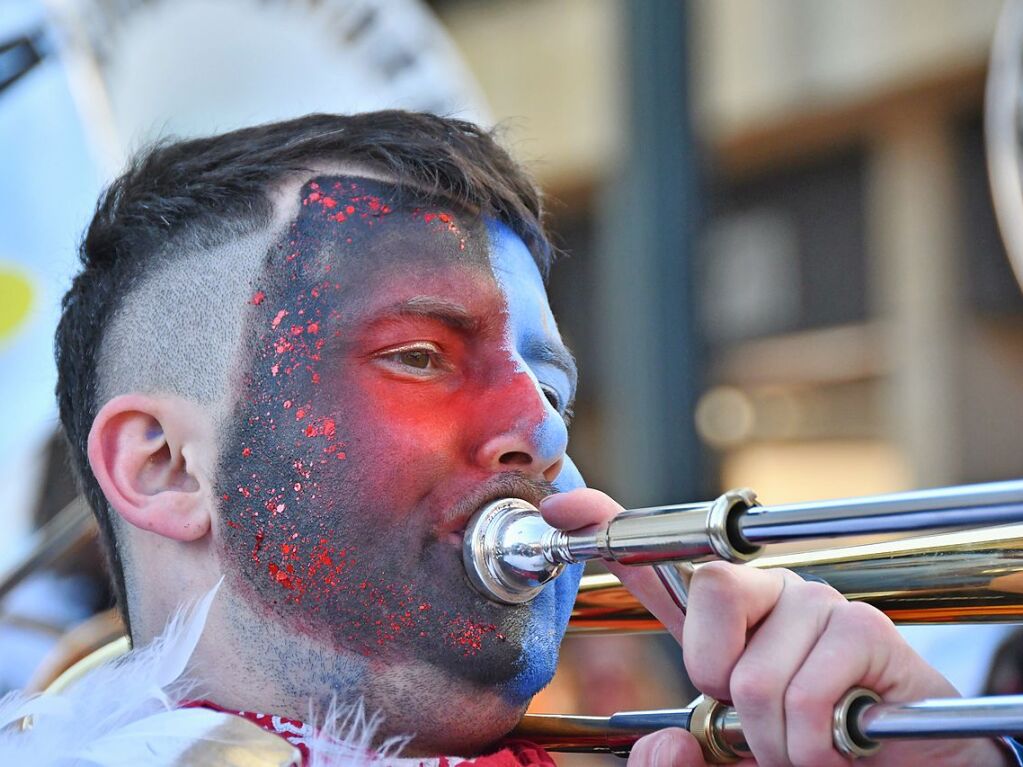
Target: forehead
{"points": [[519, 278], [368, 232], [376, 224]]}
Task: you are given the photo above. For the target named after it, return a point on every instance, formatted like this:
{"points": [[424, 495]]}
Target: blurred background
{"points": [[782, 266]]}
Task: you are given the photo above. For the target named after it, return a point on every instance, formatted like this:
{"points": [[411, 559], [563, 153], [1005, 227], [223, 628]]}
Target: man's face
{"points": [[403, 369]]}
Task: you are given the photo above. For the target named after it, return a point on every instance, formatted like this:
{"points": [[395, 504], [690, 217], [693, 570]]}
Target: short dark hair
{"points": [[201, 191]]}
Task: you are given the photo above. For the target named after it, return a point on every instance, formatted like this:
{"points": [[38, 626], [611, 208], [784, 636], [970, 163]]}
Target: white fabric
{"points": [[124, 714]]}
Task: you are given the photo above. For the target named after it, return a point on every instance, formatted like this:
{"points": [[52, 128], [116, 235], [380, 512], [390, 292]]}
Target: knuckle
{"points": [[724, 586], [804, 703], [821, 593], [708, 680], [868, 622], [752, 686], [715, 579]]}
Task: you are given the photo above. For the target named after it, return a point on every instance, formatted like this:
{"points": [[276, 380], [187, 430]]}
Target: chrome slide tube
{"points": [[859, 726], [992, 716], [993, 503]]}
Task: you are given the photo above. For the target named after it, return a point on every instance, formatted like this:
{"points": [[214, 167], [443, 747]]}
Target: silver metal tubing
{"points": [[858, 728], [614, 734], [510, 552], [665, 534], [507, 551], [944, 718], [992, 503], [675, 577]]}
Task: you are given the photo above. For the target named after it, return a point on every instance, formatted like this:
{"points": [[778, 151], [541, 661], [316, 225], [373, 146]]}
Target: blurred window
{"points": [[785, 250]]}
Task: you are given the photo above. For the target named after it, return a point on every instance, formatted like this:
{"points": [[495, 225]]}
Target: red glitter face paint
{"points": [[380, 376]]}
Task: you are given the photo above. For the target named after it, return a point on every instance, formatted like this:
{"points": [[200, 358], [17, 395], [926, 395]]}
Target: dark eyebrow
{"points": [[456, 316], [556, 354], [447, 312]]}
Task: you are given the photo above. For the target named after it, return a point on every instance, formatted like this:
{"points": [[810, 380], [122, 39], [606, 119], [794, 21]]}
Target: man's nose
{"points": [[525, 434]]}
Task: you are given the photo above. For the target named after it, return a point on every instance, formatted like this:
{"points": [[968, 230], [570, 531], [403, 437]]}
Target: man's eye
{"points": [[415, 358], [419, 359], [552, 397], [555, 399]]}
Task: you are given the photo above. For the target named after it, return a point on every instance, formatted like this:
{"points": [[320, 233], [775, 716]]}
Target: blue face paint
{"points": [[533, 339], [552, 610], [535, 345]]}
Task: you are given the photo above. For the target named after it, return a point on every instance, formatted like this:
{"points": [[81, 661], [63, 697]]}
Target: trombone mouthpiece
{"points": [[510, 553], [507, 551]]}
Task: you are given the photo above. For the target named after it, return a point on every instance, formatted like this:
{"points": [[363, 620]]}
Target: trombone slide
{"points": [[859, 726], [510, 552]]}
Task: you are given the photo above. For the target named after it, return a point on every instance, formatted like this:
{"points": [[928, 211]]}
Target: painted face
{"points": [[405, 369]]}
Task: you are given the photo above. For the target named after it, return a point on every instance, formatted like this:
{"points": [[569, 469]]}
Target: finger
{"points": [[673, 747], [646, 586], [777, 649], [585, 507], [859, 646], [579, 508], [725, 603], [841, 659]]}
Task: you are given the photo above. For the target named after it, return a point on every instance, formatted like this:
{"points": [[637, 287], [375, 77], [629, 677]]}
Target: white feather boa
{"points": [[125, 714]]}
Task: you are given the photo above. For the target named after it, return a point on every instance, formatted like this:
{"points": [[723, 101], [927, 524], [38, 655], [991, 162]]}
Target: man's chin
{"points": [[470, 735], [447, 715]]}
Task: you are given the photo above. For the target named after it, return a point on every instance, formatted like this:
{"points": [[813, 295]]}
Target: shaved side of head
{"points": [[175, 332]]}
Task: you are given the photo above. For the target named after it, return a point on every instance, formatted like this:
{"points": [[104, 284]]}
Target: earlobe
{"points": [[140, 448]]}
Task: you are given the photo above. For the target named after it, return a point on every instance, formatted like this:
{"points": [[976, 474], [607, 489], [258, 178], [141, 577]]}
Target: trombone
{"points": [[967, 568], [970, 571]]}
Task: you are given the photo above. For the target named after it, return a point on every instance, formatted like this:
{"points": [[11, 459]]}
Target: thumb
{"points": [[673, 747]]}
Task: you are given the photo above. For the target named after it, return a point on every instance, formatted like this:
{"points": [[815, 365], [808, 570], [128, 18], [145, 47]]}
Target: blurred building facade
{"points": [[856, 318], [855, 326], [849, 145]]}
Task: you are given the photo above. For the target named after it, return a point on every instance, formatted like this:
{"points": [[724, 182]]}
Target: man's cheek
{"points": [[566, 589], [542, 638], [410, 422], [291, 457]]}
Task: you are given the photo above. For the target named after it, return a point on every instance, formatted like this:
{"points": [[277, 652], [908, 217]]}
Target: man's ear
{"points": [[144, 451]]}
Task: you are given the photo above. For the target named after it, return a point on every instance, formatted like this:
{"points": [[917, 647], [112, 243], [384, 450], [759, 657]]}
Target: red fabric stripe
{"points": [[514, 753]]}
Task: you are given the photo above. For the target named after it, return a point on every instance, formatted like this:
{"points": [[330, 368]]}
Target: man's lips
{"points": [[507, 485]]}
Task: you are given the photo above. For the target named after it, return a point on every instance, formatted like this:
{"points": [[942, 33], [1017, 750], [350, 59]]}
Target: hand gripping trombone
{"points": [[974, 572]]}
